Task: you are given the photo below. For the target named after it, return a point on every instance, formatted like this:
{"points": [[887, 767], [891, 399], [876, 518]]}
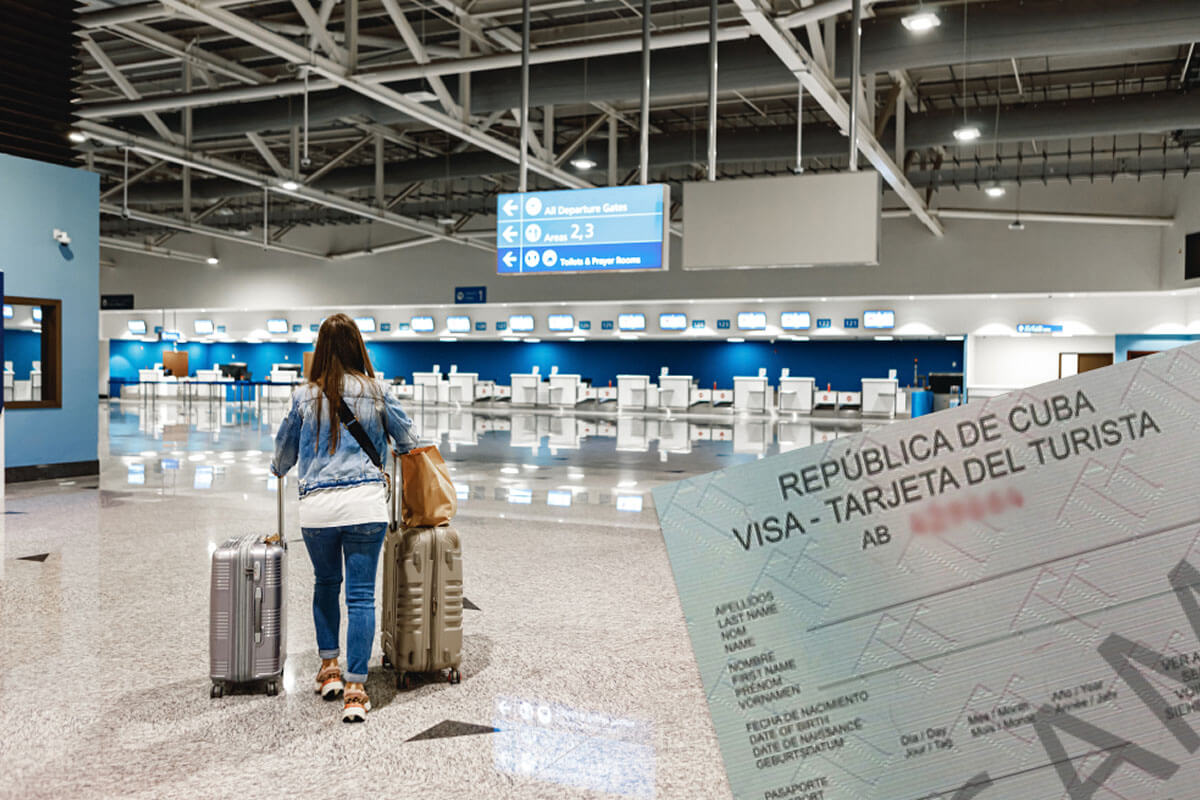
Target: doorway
{"points": [[1074, 363]]}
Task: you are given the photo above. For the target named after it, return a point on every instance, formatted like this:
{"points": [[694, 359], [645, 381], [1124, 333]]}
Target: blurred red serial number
{"points": [[941, 516]]}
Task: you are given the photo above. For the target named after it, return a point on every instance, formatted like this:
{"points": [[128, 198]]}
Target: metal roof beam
{"points": [[279, 46], [822, 89], [237, 172]]}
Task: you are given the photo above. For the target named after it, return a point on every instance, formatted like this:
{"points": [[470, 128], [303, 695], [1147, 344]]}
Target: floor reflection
{"points": [[506, 462]]}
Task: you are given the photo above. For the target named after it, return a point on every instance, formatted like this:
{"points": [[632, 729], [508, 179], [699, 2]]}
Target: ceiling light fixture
{"points": [[212, 261], [967, 133], [995, 191], [921, 21], [1016, 225], [79, 137], [289, 186], [583, 163]]}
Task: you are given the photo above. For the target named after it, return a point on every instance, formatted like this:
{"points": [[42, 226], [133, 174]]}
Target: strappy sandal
{"points": [[357, 704], [329, 682]]}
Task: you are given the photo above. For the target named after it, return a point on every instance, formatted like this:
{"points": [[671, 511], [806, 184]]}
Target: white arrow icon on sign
{"points": [[509, 234], [509, 207], [509, 259]]}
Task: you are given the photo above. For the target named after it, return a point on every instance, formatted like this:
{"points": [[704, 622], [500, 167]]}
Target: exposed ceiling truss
{"points": [[204, 114]]}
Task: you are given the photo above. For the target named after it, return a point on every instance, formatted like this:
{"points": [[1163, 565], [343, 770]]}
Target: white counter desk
{"points": [[879, 396], [528, 389], [675, 392], [635, 393], [427, 387], [566, 391], [460, 387], [796, 394], [751, 393]]}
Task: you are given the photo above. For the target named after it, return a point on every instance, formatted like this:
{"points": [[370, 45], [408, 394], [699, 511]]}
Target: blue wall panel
{"points": [[1148, 341], [842, 364], [36, 198], [22, 348]]}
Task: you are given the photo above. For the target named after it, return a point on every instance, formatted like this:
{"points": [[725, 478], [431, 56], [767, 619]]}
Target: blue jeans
{"points": [[358, 546]]}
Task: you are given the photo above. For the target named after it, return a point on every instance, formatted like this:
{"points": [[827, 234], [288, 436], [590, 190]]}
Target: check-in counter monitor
{"points": [[796, 394], [635, 393]]}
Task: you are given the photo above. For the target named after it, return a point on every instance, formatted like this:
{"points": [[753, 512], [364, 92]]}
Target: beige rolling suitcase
{"points": [[422, 625]]}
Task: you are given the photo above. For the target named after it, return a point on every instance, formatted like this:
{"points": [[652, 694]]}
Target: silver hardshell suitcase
{"points": [[247, 635]]}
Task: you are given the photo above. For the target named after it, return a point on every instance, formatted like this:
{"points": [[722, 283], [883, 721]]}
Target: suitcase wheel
{"points": [[404, 681], [454, 676], [387, 662], [217, 690], [272, 688]]}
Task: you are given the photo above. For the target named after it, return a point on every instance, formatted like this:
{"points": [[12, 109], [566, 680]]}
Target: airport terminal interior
{"points": [[593, 248]]}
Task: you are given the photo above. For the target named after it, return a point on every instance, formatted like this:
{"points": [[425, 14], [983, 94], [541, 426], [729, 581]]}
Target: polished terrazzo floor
{"points": [[578, 678]]}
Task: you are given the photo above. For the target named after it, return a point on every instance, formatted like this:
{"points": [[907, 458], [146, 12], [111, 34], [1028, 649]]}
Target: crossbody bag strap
{"points": [[360, 435]]}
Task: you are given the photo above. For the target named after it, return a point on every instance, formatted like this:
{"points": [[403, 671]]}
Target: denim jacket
{"points": [[302, 436]]}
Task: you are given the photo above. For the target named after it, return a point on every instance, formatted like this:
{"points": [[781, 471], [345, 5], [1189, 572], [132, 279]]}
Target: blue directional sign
{"points": [[824, 322], [1038, 327], [470, 294], [850, 322], [722, 324], [583, 230]]}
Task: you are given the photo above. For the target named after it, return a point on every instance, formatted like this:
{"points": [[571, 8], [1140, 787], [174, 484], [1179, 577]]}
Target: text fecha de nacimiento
{"points": [[916, 449]]}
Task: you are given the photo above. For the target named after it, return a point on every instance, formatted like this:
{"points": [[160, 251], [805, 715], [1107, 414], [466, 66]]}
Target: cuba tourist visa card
{"points": [[997, 601]]}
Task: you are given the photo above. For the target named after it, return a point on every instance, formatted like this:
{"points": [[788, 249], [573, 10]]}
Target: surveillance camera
{"points": [[62, 237], [306, 162]]}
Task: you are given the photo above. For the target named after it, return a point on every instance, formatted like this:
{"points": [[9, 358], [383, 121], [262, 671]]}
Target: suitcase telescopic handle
{"points": [[394, 500]]}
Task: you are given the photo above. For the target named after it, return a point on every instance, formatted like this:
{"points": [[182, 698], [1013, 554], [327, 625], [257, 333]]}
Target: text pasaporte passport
{"points": [[996, 601]]}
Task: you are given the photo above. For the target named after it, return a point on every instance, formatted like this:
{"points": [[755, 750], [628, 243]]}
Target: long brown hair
{"points": [[340, 352]]}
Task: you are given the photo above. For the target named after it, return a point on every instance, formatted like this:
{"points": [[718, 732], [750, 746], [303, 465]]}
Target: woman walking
{"points": [[343, 497]]}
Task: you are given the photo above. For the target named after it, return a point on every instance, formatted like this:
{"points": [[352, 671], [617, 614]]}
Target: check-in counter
{"points": [[849, 400], [404, 391], [604, 394], [426, 387], [675, 392], [796, 394], [751, 394], [528, 389], [9, 379], [879, 396], [501, 392], [460, 387], [566, 391], [635, 393]]}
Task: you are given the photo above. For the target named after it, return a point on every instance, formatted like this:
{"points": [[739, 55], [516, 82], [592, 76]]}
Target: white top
{"points": [[346, 505]]}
